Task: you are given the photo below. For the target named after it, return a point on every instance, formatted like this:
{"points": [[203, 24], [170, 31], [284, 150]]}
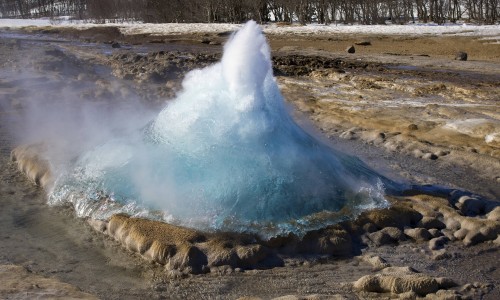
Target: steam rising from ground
{"points": [[224, 154]]}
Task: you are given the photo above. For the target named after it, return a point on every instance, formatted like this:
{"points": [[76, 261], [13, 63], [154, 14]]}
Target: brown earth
{"points": [[355, 102]]}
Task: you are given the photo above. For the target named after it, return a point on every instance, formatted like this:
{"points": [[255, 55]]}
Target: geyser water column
{"points": [[225, 154]]}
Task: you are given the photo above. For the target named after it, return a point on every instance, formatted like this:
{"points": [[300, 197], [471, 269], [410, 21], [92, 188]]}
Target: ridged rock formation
{"points": [[30, 160], [421, 218]]}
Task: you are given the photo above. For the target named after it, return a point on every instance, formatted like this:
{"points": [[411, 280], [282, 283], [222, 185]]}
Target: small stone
{"points": [[438, 243], [363, 43], [494, 215], [441, 153], [369, 227], [430, 156], [466, 287], [470, 206], [377, 262], [435, 232], [417, 153], [446, 283], [461, 233], [348, 135], [412, 127], [350, 49], [116, 45], [98, 225], [461, 56], [449, 234], [441, 254], [452, 224], [447, 295]]}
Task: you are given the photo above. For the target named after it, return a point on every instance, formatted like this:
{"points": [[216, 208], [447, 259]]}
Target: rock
{"points": [[98, 225], [418, 234], [430, 222], [452, 224], [461, 56], [159, 242], [412, 127], [441, 153], [334, 241], [417, 153], [363, 43], [447, 295], [420, 284], [446, 283], [438, 243], [374, 137], [348, 135], [461, 233], [250, 255], [435, 232], [222, 270], [441, 254], [220, 253], [430, 156], [350, 49], [116, 45], [30, 160], [388, 235], [377, 262], [449, 234], [187, 259], [408, 296], [470, 206], [474, 237], [369, 227], [398, 215], [399, 270], [494, 215]]}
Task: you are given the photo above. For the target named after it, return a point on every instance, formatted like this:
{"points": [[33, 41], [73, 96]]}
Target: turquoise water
{"points": [[224, 155]]}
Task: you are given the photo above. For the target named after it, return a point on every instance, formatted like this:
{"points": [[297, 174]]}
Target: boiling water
{"points": [[224, 155]]}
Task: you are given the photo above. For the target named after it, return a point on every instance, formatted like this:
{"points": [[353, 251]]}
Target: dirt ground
{"points": [[402, 104]]}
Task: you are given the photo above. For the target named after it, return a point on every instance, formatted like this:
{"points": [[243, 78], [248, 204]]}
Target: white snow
{"points": [[492, 31], [488, 129]]}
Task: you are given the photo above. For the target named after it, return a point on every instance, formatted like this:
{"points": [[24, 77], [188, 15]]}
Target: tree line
{"points": [[263, 11]]}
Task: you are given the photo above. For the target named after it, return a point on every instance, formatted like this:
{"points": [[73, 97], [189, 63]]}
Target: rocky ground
{"points": [[417, 116]]}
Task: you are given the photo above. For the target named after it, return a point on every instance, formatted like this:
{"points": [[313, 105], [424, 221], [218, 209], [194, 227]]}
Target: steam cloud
{"points": [[224, 155]]}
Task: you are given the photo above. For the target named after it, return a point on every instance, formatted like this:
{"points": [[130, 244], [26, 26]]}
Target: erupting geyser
{"points": [[224, 155]]}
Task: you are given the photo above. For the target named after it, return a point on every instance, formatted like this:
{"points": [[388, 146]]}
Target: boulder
{"points": [[350, 49]]}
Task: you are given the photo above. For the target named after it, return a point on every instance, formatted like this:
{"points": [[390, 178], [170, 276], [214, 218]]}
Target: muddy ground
{"points": [[402, 104]]}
